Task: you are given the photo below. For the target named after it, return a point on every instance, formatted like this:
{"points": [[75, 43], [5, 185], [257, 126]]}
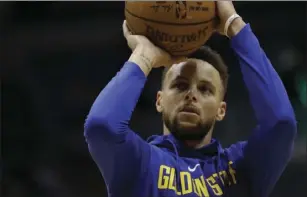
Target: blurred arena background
{"points": [[57, 56]]}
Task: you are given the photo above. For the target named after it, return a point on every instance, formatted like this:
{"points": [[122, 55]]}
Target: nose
{"points": [[190, 96]]}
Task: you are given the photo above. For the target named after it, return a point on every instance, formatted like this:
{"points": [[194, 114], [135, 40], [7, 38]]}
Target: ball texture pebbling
{"points": [[179, 27]]}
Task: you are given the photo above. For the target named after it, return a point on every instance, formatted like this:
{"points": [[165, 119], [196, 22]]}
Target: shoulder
{"points": [[235, 151]]}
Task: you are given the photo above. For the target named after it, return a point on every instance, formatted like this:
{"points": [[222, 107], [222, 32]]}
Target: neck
{"points": [[193, 143]]}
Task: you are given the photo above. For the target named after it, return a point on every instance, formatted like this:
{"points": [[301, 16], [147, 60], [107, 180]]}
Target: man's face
{"points": [[191, 99]]}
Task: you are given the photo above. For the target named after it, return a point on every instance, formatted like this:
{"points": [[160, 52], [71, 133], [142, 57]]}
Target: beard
{"points": [[192, 134]]}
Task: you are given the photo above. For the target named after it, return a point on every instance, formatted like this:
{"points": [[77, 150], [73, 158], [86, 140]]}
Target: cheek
{"points": [[170, 103], [209, 107]]}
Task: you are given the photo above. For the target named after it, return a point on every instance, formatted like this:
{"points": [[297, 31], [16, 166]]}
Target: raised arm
{"points": [[119, 153], [269, 148]]}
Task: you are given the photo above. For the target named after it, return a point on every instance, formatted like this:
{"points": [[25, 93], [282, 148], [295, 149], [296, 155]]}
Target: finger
{"points": [[130, 39], [177, 60], [125, 29]]}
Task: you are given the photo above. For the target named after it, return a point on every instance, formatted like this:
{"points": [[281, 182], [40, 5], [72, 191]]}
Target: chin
{"points": [[187, 125], [190, 130]]}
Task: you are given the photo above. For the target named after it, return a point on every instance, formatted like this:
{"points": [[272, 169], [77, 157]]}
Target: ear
{"points": [[159, 101], [221, 111]]}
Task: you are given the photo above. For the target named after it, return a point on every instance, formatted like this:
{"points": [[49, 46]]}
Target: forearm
{"points": [[268, 96], [109, 138], [142, 61], [235, 27], [113, 107]]}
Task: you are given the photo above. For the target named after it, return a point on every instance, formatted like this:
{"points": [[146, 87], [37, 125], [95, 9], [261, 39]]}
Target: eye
{"points": [[182, 86], [204, 89]]}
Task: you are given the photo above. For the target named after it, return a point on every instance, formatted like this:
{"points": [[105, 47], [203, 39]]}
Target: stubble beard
{"points": [[188, 134]]}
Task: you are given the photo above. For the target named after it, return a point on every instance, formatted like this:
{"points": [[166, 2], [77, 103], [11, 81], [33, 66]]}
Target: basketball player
{"points": [[186, 160]]}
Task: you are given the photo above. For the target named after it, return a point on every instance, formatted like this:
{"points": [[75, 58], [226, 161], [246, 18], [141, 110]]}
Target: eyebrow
{"points": [[207, 82], [179, 77]]}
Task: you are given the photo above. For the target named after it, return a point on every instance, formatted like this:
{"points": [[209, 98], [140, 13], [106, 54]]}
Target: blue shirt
{"points": [[163, 167]]}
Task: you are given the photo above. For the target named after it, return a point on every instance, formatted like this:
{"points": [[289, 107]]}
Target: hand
{"points": [[225, 10], [144, 53]]}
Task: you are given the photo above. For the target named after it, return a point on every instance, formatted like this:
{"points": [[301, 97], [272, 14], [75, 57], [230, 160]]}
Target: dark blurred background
{"points": [[57, 56]]}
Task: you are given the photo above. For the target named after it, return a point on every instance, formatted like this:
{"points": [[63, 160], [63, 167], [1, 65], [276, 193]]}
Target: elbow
{"points": [[104, 128], [287, 130], [96, 126], [286, 121], [287, 126]]}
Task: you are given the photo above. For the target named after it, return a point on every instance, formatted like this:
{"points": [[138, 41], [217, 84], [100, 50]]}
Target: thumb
{"points": [[131, 40], [179, 59], [126, 31]]}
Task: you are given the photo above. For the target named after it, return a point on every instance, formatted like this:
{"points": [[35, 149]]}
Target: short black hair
{"points": [[205, 53]]}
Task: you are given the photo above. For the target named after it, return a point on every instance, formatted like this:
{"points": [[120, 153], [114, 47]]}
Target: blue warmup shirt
{"points": [[164, 167]]}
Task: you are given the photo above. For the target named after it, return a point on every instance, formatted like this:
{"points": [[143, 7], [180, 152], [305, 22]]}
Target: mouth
{"points": [[190, 109]]}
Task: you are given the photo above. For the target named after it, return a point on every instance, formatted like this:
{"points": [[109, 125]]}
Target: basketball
{"points": [[179, 27]]}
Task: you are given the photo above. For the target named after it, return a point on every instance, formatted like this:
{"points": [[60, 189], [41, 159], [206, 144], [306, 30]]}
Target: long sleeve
{"points": [[269, 148], [119, 153]]}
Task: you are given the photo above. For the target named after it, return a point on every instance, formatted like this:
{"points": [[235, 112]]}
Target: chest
{"points": [[192, 177]]}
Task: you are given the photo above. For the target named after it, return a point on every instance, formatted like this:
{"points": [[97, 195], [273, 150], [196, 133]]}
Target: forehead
{"points": [[194, 69]]}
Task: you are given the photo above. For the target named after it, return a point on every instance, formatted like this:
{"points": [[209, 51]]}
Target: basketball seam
{"points": [[188, 49], [132, 31], [169, 23]]}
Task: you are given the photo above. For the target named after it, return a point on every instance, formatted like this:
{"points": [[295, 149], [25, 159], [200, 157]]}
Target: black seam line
{"points": [[178, 51], [190, 49], [169, 23]]}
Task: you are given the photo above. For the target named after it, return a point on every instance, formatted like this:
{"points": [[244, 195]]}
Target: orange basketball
{"points": [[179, 27]]}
